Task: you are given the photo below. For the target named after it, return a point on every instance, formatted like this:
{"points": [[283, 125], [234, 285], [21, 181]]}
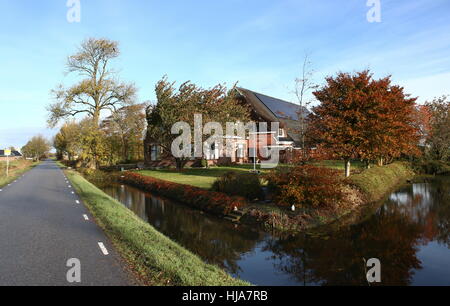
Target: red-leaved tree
{"points": [[360, 117]]}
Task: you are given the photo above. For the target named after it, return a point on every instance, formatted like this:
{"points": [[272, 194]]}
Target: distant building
{"points": [[263, 109], [14, 155]]}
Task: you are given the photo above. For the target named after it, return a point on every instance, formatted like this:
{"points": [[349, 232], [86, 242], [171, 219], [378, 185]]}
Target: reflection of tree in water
{"points": [[411, 217], [338, 259], [428, 204], [213, 239], [442, 206]]}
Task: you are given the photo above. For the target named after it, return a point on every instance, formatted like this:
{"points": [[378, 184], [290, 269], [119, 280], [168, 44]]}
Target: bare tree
{"points": [[99, 90], [304, 85]]}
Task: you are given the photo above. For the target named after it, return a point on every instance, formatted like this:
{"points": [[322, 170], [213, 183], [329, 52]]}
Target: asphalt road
{"points": [[42, 227]]}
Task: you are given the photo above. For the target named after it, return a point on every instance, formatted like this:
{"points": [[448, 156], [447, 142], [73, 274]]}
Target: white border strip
{"points": [[103, 248]]}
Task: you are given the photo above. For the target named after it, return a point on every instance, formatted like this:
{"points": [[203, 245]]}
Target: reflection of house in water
{"points": [[414, 201]]}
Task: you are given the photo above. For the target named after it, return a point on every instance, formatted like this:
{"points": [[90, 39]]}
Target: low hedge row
{"points": [[214, 202]]}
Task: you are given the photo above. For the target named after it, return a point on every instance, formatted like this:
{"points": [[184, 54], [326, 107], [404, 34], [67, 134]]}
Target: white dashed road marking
{"points": [[86, 217], [102, 247], [78, 202]]}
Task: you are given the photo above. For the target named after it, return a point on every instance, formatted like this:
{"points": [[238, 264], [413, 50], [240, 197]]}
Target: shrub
{"points": [[307, 186], [246, 185], [97, 177], [214, 202], [435, 167]]}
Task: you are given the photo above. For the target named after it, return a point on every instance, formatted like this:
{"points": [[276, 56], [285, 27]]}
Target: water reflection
{"points": [[409, 233]]}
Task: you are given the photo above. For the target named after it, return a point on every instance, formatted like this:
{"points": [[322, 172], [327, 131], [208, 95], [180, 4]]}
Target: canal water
{"points": [[409, 233]]}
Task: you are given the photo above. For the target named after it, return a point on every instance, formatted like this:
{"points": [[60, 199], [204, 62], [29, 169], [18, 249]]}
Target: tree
{"points": [[66, 142], [303, 86], [359, 117], [391, 128], [216, 104], [37, 148], [125, 132], [92, 141], [98, 91], [438, 140]]}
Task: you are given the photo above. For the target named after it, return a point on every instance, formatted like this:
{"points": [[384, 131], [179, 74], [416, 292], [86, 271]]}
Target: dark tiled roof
{"points": [[273, 109], [280, 108], [13, 154]]}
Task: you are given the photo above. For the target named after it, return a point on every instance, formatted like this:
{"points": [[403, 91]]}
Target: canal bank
{"points": [[407, 231], [360, 190], [155, 259], [262, 258]]}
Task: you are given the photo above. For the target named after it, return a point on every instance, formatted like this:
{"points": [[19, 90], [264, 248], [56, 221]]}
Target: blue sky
{"points": [[260, 43]]}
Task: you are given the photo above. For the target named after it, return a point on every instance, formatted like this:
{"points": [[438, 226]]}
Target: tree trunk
{"points": [[96, 118], [347, 167], [380, 161], [179, 164]]}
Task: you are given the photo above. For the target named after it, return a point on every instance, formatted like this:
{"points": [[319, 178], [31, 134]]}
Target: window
{"points": [[281, 132], [240, 151], [155, 153]]}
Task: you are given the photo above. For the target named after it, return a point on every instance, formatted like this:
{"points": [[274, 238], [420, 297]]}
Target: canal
{"points": [[409, 232]]}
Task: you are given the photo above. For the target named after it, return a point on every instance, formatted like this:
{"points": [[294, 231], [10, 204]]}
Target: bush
{"points": [[246, 185], [435, 167], [69, 163], [200, 163], [307, 186], [214, 202], [97, 177]]}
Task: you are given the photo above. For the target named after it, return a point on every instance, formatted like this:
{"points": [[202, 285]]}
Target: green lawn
{"points": [[202, 178]]}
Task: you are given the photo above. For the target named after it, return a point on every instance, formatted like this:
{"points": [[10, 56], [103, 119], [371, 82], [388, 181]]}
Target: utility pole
{"points": [[7, 153]]}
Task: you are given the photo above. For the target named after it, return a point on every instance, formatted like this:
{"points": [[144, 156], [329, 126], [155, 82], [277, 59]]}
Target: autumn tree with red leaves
{"points": [[362, 118]]}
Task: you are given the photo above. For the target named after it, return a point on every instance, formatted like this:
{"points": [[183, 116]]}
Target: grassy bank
{"points": [[361, 189], [376, 182], [356, 166], [154, 257], [16, 169]]}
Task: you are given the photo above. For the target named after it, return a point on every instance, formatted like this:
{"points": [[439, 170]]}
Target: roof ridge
{"points": [[255, 92]]}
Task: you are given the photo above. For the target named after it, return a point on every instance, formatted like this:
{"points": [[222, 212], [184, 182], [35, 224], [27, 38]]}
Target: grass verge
{"points": [[376, 182], [156, 259], [17, 168]]}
